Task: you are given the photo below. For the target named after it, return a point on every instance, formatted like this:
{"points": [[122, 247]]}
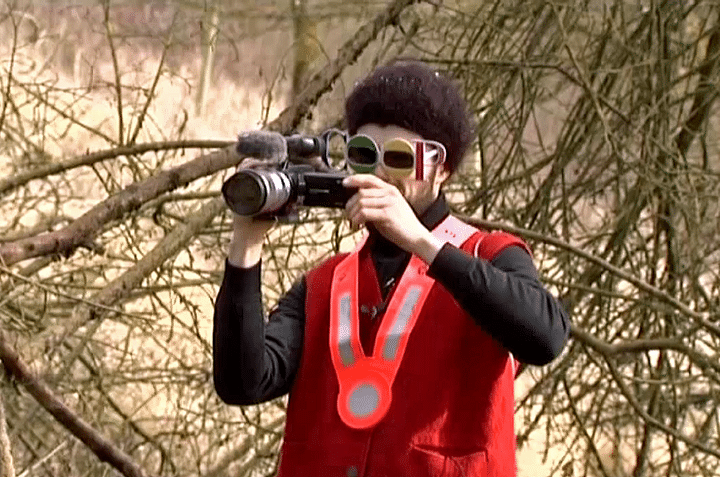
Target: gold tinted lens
{"points": [[399, 154], [361, 150], [399, 160]]}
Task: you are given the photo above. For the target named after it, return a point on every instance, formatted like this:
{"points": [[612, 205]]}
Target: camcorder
{"points": [[298, 173]]}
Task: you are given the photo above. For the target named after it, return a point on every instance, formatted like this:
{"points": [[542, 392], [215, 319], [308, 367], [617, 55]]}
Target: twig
{"points": [[699, 318], [239, 452], [23, 178], [121, 287], [641, 345], [704, 96], [62, 113], [50, 290], [156, 80], [6, 93], [116, 70], [82, 230], [28, 471], [625, 390], [323, 80]]}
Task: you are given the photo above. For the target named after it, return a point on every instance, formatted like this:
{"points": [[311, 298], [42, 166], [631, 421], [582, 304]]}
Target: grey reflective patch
{"points": [[345, 331], [400, 324], [364, 400]]}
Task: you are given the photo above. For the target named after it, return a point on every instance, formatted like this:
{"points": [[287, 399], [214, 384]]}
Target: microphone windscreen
{"points": [[262, 145]]}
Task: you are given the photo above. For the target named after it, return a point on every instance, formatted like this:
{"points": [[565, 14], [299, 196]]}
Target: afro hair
{"points": [[411, 95]]}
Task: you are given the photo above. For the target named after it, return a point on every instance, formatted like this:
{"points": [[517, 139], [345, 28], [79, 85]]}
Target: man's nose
{"points": [[381, 172]]}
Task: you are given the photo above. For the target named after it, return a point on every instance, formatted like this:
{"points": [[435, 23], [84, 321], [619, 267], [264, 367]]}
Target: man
{"points": [[399, 357]]}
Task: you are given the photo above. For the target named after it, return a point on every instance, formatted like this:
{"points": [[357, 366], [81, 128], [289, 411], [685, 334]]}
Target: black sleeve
{"points": [[506, 298], [255, 361]]}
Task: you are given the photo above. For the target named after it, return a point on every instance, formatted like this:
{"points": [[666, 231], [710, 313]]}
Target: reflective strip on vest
{"points": [[400, 324], [366, 381], [364, 400], [344, 331]]}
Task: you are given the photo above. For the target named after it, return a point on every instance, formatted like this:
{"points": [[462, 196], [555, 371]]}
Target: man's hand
{"points": [[383, 205], [248, 232]]}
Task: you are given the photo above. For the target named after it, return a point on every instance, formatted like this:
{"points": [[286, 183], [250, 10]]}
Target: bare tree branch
{"points": [[18, 180], [122, 286], [323, 80], [239, 452], [103, 448], [702, 319], [82, 230]]}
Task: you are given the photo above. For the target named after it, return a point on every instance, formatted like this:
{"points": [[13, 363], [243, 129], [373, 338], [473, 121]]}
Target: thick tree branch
{"points": [[322, 81], [82, 230], [18, 180], [7, 467], [103, 448], [641, 345]]}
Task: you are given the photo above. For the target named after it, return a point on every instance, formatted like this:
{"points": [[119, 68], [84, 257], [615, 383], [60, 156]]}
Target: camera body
{"points": [[275, 192], [298, 173]]}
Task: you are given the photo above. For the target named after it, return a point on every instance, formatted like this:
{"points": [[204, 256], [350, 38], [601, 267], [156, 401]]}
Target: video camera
{"points": [[290, 179]]}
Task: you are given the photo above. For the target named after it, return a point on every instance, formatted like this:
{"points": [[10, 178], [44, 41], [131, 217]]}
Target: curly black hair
{"points": [[413, 96]]}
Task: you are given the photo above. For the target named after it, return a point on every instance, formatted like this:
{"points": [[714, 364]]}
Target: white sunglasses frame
{"points": [[419, 166]]}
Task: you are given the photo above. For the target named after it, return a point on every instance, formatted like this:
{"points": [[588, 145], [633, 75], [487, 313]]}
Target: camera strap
{"points": [[366, 381]]}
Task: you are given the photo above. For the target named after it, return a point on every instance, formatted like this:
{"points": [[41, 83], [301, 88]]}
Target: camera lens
{"points": [[245, 193], [251, 192]]}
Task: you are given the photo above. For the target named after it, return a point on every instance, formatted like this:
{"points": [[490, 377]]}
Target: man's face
{"points": [[419, 194]]}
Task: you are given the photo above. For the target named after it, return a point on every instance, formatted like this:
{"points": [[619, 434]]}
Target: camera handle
{"points": [[305, 147]]}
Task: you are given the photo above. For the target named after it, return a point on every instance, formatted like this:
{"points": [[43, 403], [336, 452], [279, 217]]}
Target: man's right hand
{"points": [[247, 240], [248, 232]]}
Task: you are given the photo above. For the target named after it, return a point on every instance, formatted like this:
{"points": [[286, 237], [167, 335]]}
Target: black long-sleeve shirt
{"points": [[255, 360]]}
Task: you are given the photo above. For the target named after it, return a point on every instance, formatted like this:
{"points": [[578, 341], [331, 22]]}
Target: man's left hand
{"points": [[383, 205]]}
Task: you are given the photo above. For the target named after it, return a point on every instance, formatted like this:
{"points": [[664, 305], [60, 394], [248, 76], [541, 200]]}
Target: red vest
{"points": [[453, 402]]}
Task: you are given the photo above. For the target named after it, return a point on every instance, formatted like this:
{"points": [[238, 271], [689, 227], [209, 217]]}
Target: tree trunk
{"points": [[210, 30], [305, 46]]}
